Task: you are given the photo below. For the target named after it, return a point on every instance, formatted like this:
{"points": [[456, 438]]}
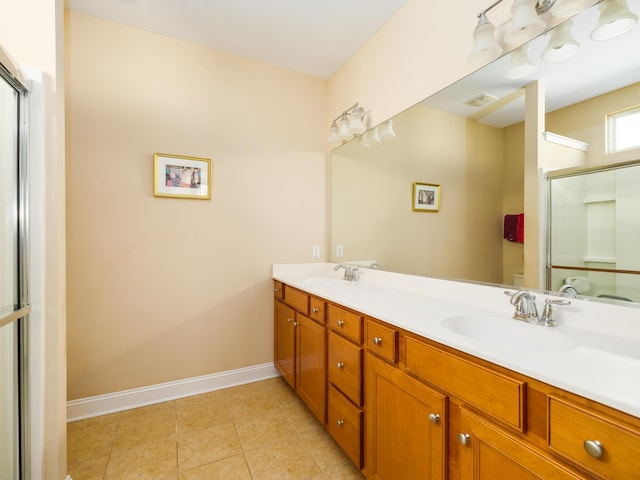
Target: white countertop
{"points": [[594, 351]]}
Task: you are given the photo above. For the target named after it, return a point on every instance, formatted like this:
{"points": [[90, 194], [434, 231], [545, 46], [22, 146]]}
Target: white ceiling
{"points": [[309, 36]]}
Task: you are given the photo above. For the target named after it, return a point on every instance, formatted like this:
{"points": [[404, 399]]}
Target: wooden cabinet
{"points": [[406, 425], [311, 365], [344, 374], [406, 407], [285, 342], [488, 453], [597, 443], [300, 347]]}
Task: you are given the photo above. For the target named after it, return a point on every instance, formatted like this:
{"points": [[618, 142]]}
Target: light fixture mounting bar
{"points": [[348, 111], [484, 12]]}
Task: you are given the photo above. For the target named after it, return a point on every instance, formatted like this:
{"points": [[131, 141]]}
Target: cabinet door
{"points": [[285, 342], [486, 453], [311, 365], [406, 426]]}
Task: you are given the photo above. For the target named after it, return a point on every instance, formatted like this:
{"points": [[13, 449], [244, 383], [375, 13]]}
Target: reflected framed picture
{"points": [[178, 176], [426, 197]]}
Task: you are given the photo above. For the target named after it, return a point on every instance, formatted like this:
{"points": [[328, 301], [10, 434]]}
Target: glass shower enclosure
{"points": [[14, 300]]}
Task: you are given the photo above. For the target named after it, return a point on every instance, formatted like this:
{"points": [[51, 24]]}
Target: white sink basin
{"points": [[510, 333], [327, 282]]}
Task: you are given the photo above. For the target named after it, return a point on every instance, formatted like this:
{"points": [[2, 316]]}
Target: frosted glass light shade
{"points": [[561, 44], [525, 23], [386, 131], [519, 63], [333, 138], [355, 122], [344, 133], [569, 8], [371, 137], [615, 19], [485, 48]]}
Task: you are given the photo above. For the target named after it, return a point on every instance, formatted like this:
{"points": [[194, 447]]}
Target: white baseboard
{"points": [[139, 397]]}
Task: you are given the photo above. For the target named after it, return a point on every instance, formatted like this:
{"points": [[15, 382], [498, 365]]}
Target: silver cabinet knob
{"points": [[434, 418], [341, 323], [377, 340], [276, 289], [340, 423], [315, 309], [464, 438], [289, 320], [594, 448], [340, 365], [295, 324]]}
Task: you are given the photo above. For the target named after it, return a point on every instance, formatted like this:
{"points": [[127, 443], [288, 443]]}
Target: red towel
{"points": [[520, 229], [511, 227]]}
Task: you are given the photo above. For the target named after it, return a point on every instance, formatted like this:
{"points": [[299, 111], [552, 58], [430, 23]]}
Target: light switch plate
{"points": [[315, 253]]}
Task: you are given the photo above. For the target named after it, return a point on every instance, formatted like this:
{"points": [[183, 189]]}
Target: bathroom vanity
{"points": [[422, 378]]}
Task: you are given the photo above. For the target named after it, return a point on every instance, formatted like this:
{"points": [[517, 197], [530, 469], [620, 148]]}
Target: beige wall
{"points": [[36, 41], [421, 50], [586, 121], [371, 198], [164, 289]]}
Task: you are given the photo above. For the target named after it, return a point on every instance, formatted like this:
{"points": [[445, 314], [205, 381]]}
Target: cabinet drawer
{"points": [[345, 367], [383, 341], [317, 310], [347, 324], [491, 392], [571, 426], [344, 424], [297, 299], [278, 290]]}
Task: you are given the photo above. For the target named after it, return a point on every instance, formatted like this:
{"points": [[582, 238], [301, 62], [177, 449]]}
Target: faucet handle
{"points": [[548, 319]]}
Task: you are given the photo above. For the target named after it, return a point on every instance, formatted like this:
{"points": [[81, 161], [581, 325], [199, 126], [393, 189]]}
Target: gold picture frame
{"points": [[178, 176], [426, 197]]}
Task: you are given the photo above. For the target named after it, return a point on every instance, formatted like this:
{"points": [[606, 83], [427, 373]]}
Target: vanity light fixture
{"points": [[561, 44], [525, 25], [485, 48], [350, 124], [615, 19]]}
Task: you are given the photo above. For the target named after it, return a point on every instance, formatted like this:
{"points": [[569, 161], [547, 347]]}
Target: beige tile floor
{"points": [[258, 431]]}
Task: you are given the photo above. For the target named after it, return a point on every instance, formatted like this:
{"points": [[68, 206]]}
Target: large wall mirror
{"points": [[469, 140]]}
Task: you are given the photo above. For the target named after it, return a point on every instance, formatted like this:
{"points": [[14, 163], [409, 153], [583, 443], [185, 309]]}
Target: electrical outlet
{"points": [[339, 251], [315, 253]]}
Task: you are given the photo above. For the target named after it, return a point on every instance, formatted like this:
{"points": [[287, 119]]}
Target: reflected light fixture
{"points": [[561, 44], [346, 125], [385, 131], [615, 19], [519, 63]]}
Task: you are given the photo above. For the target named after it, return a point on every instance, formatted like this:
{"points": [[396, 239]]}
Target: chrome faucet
{"points": [[375, 266], [351, 273], [525, 304], [526, 308]]}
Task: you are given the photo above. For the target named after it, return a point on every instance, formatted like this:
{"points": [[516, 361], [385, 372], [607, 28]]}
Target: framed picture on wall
{"points": [[426, 197], [178, 176]]}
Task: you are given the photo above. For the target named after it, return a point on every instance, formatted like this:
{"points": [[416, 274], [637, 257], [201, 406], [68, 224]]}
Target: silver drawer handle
{"points": [[464, 438], [340, 423], [289, 320], [594, 448], [340, 365], [377, 340], [434, 418], [341, 323], [315, 309]]}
